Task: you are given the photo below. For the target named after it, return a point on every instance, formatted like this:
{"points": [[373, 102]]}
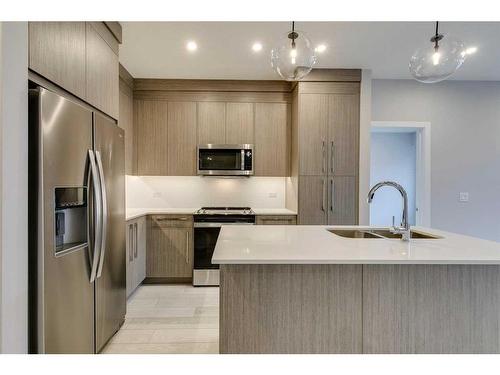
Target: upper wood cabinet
{"points": [[211, 112], [80, 57], [151, 137], [239, 123], [272, 139], [102, 73], [343, 112], [313, 134], [329, 133], [168, 132], [220, 123], [211, 122], [57, 52], [126, 122], [181, 147]]}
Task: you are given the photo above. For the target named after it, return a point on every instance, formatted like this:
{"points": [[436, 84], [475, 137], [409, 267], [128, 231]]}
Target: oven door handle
{"points": [[217, 225]]}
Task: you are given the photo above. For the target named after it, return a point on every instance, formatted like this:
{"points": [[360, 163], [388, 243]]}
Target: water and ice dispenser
{"points": [[70, 219]]}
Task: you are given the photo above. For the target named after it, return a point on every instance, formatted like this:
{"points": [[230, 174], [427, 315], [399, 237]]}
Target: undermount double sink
{"points": [[377, 233]]}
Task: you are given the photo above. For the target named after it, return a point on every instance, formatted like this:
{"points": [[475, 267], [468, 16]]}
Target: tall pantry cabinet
{"points": [[327, 146]]}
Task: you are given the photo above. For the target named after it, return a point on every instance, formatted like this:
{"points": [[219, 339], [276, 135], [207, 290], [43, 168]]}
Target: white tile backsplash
{"points": [[197, 191]]}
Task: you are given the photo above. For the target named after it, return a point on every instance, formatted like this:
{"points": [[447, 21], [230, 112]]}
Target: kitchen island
{"points": [[306, 289]]}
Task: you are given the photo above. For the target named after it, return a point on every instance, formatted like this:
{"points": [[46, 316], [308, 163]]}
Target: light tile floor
{"points": [[169, 319]]}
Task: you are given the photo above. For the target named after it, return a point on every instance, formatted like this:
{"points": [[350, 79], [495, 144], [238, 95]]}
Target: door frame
{"points": [[423, 161]]}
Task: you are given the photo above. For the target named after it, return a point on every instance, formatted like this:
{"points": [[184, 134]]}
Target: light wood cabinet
{"points": [[150, 122], [126, 122], [170, 247], [342, 200], [313, 134], [328, 152], [272, 139], [343, 112], [329, 134], [181, 148], [57, 52], [136, 253], [212, 112], [220, 122], [211, 122], [239, 123], [276, 220], [80, 57], [102, 73], [313, 200]]}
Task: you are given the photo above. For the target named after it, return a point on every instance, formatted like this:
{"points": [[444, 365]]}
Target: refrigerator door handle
{"points": [[104, 212], [97, 206]]}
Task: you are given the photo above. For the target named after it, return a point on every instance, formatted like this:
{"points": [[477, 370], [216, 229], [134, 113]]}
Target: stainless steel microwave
{"points": [[225, 160]]}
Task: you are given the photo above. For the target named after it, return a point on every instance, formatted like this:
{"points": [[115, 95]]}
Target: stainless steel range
{"points": [[207, 224]]}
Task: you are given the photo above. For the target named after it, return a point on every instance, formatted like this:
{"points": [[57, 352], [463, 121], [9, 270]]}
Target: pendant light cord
{"points": [[436, 37], [293, 34]]}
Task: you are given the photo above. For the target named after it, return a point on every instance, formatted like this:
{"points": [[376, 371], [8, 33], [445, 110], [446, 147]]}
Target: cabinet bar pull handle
{"points": [[131, 243], [135, 240], [187, 247], [332, 158], [171, 219], [323, 195], [332, 192], [323, 161]]}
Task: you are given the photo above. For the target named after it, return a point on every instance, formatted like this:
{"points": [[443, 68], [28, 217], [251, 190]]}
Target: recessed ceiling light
{"points": [[257, 47], [320, 48], [191, 46], [471, 50]]}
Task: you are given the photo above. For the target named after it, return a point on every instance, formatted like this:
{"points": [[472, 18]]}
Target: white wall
{"points": [[465, 122], [393, 158], [14, 189], [196, 191]]}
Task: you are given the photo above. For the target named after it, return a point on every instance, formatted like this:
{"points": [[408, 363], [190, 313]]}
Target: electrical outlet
{"points": [[463, 196], [272, 195]]}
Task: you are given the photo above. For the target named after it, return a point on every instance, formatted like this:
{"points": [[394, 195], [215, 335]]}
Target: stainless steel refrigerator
{"points": [[77, 273]]}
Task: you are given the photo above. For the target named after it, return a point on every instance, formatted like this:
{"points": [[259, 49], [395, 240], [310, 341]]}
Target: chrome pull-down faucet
{"points": [[404, 228]]}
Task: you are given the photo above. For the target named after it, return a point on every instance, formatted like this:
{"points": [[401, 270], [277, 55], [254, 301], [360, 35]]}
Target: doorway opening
{"points": [[400, 152]]}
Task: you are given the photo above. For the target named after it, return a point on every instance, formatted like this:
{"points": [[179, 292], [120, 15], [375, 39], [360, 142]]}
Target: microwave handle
{"points": [[242, 159]]}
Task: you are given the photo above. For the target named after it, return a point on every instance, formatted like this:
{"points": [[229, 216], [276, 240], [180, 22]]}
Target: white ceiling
{"points": [[157, 49]]}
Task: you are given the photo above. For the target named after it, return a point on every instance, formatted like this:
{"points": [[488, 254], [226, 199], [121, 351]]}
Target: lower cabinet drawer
{"points": [[172, 221], [276, 220]]}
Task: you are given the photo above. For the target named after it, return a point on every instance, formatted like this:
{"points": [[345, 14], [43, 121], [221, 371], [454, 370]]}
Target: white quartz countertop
{"points": [[310, 244], [134, 213]]}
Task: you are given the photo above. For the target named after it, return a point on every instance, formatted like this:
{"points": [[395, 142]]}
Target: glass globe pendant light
{"points": [[438, 59], [293, 57]]}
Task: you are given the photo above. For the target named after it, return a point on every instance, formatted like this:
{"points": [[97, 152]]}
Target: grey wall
{"points": [[393, 158], [465, 156], [14, 189]]}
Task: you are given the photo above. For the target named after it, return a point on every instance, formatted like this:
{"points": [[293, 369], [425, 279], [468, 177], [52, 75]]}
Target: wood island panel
{"points": [[431, 309], [290, 308]]}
